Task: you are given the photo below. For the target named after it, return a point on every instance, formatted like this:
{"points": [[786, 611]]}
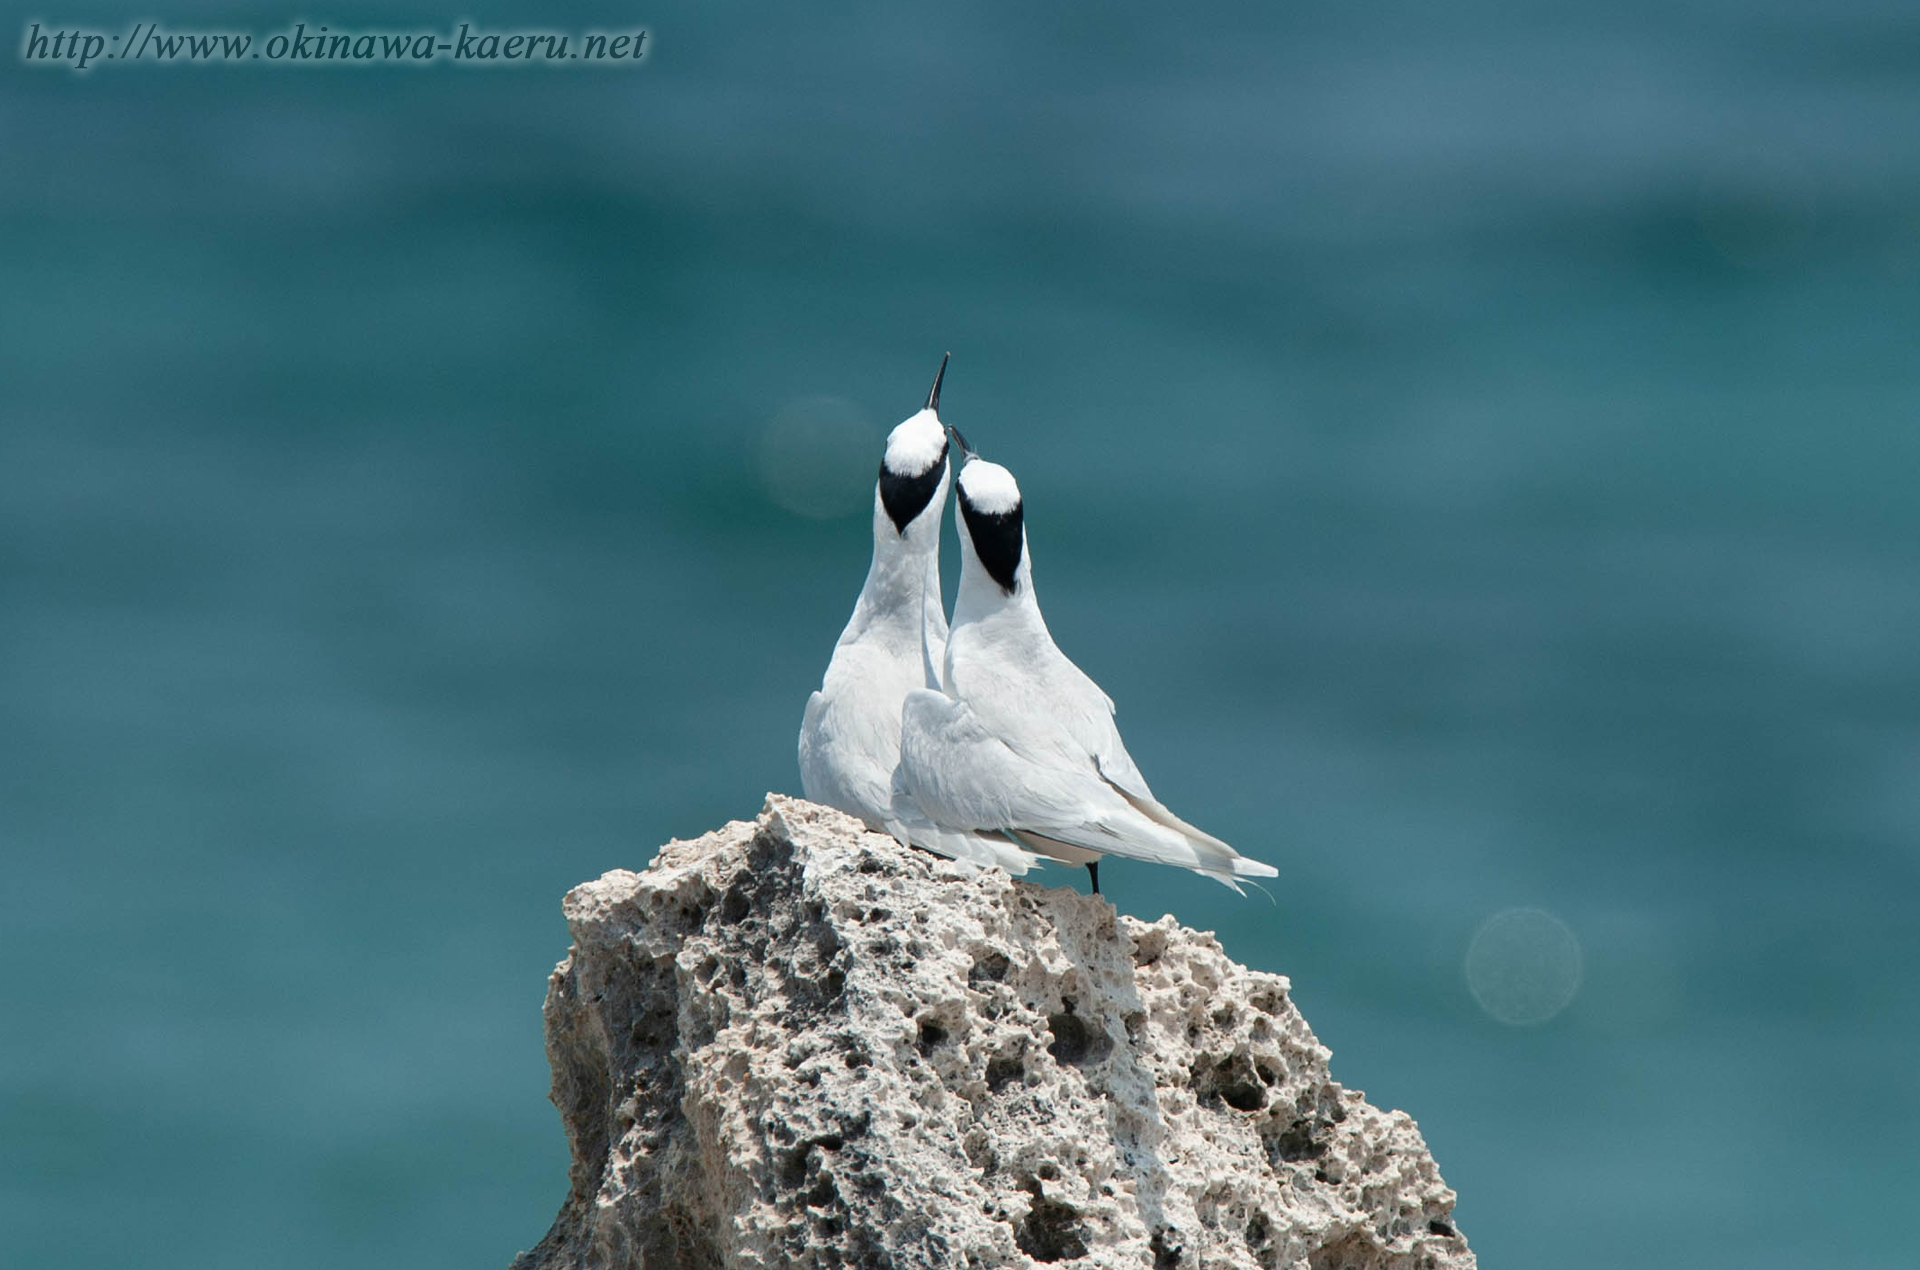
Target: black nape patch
{"points": [[997, 540], [905, 497]]}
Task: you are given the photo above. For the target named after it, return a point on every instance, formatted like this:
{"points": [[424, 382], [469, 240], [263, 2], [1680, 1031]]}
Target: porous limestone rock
{"points": [[795, 1043]]}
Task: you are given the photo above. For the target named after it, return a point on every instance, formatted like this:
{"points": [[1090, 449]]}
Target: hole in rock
{"points": [[1354, 1252], [1051, 1231], [1076, 1041], [991, 968], [1234, 1082], [1299, 1143]]}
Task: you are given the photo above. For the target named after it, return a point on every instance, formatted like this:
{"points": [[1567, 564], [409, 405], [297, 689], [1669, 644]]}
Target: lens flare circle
{"points": [[817, 458], [1523, 966]]}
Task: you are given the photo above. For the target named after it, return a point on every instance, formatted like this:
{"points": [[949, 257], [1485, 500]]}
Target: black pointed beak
{"points": [[965, 449], [933, 398]]}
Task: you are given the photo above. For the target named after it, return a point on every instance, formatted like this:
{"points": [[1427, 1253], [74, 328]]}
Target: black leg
{"points": [[1093, 871]]}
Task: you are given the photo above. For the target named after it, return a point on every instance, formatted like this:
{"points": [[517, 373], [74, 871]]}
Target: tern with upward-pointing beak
{"points": [[1012, 738], [850, 735]]}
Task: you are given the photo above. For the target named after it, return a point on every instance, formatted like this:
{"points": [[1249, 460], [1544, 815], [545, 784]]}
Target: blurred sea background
{"points": [[1475, 444]]}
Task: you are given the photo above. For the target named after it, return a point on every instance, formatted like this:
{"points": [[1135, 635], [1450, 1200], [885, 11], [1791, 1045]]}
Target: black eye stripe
{"points": [[997, 539], [905, 497]]}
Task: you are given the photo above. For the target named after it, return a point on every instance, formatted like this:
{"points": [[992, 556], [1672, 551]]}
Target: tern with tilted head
{"points": [[850, 735], [1011, 738]]}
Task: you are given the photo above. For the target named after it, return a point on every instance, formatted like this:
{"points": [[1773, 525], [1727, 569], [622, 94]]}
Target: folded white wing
{"points": [[962, 774]]}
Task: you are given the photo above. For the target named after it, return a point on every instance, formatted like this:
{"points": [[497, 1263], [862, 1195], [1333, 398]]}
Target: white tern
{"points": [[850, 734], [1011, 738]]}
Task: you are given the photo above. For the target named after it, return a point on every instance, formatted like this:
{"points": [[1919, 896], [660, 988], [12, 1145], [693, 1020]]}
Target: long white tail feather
{"points": [[1203, 841], [1124, 832], [1162, 814]]}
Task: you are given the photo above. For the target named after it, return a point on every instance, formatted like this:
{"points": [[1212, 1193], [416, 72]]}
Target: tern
{"points": [[1011, 738], [850, 734]]}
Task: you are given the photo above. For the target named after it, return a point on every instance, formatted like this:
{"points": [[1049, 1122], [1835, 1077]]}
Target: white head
{"points": [[914, 469], [993, 517]]}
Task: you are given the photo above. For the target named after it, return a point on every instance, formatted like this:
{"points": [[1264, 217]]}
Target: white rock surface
{"points": [[795, 1043]]}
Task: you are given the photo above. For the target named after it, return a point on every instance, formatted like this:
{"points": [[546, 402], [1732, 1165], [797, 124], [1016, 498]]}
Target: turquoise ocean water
{"points": [[1477, 446]]}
